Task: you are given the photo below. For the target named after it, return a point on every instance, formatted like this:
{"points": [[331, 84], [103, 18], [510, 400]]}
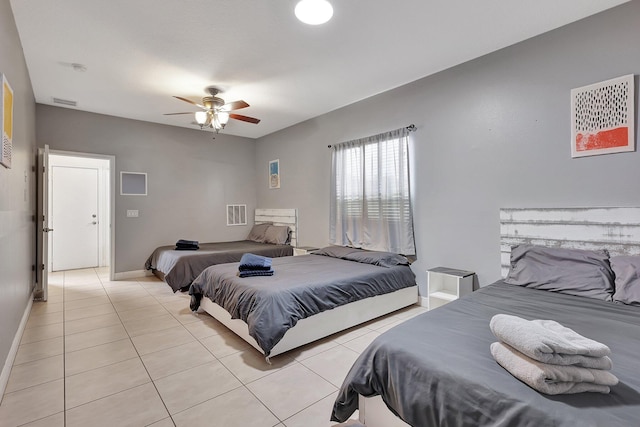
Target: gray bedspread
{"points": [[436, 369], [301, 287], [179, 268]]}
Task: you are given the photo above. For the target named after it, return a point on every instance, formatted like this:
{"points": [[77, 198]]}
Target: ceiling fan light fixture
{"points": [[223, 117], [314, 12], [201, 117]]}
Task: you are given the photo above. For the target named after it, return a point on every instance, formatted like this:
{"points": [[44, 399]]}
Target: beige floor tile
{"points": [[42, 307], [312, 349], [409, 312], [41, 333], [380, 322], [18, 408], [136, 303], [142, 313], [206, 326], [39, 350], [82, 340], [162, 340], [82, 313], [238, 408], [56, 420], [119, 284], [98, 383], [98, 356], [333, 364], [80, 294], [350, 334], [181, 311], [86, 302], [390, 325], [196, 385], [290, 390], [167, 422], [126, 292], [318, 415], [82, 284], [44, 319], [170, 299], [151, 324], [225, 344], [176, 359], [139, 406], [360, 343], [35, 373], [91, 323], [250, 365]]}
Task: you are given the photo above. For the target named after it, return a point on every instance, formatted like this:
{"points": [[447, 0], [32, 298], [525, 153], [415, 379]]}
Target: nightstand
{"points": [[447, 284], [304, 250]]}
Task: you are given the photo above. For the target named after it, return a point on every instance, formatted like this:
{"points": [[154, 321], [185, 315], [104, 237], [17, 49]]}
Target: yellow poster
{"points": [[7, 123]]}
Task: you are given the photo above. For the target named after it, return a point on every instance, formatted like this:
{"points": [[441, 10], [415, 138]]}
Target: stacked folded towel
{"points": [[549, 357], [187, 245], [254, 265]]}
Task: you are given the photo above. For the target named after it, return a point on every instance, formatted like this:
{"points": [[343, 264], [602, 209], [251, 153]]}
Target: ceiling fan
{"points": [[215, 112]]}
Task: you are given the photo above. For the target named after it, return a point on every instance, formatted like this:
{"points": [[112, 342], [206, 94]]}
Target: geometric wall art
{"points": [[6, 115], [602, 118]]}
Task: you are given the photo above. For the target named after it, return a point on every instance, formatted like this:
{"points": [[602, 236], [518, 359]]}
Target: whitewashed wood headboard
{"points": [[280, 217], [616, 229]]}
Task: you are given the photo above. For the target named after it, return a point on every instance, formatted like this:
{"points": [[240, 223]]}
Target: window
{"points": [[371, 204]]}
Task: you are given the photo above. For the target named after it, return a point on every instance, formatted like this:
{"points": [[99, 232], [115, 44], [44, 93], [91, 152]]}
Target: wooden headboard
{"points": [[612, 228], [280, 217]]}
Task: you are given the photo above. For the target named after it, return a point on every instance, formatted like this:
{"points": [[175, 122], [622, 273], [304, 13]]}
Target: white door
{"points": [[74, 207], [42, 257]]}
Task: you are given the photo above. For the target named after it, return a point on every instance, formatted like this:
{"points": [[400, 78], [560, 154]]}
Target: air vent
{"points": [[64, 102], [236, 214]]}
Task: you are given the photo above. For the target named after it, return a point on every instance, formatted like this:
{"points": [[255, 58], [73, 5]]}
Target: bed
{"points": [[178, 268], [309, 296], [436, 369]]}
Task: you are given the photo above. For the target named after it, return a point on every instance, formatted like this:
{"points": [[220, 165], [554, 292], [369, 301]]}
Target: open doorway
{"points": [[80, 210]]}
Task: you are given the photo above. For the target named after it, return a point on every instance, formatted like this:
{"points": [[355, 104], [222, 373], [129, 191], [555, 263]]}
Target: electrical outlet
{"points": [[132, 213]]}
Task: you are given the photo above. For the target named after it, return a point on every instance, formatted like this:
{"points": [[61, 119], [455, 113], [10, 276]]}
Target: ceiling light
{"points": [[223, 117], [201, 117], [314, 12]]}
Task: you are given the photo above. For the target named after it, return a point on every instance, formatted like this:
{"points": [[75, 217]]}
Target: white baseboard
{"points": [[126, 275], [8, 363], [424, 302]]}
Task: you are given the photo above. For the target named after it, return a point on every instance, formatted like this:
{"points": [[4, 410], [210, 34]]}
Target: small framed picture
{"points": [[274, 174]]}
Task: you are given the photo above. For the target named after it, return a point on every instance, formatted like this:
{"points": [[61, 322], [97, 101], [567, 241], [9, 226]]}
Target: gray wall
{"points": [[492, 133], [17, 189], [190, 178]]}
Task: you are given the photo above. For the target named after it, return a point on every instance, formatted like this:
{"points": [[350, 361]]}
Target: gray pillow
{"points": [[276, 234], [335, 251], [627, 271], [382, 259], [568, 271], [257, 232]]}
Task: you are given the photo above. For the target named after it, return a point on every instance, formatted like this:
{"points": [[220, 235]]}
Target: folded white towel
{"points": [[549, 342], [552, 379]]}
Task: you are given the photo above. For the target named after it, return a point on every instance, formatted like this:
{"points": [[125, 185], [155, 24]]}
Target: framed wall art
{"points": [[274, 174], [602, 118], [6, 115]]}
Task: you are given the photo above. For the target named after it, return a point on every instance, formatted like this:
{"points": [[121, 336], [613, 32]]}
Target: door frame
{"points": [[112, 200]]}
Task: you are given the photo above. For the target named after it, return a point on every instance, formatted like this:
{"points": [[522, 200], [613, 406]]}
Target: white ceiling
{"points": [[139, 53]]}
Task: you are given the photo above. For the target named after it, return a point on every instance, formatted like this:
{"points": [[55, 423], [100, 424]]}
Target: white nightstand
{"points": [[304, 250], [447, 284]]}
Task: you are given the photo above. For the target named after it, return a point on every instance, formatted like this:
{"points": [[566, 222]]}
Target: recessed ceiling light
{"points": [[314, 12]]}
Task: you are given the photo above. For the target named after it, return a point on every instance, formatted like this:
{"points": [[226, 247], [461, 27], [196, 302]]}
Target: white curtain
{"points": [[370, 197]]}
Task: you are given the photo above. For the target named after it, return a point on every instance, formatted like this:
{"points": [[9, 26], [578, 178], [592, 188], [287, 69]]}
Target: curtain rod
{"points": [[410, 128]]}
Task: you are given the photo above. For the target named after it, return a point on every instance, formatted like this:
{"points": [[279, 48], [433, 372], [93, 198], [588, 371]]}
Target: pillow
{"points": [[335, 251], [627, 271], [276, 234], [568, 271], [257, 232], [382, 259]]}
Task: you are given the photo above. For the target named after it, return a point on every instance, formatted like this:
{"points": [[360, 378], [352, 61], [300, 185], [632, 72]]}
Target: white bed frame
{"points": [[616, 229]]}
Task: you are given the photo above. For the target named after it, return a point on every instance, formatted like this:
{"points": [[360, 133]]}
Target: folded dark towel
{"points": [[253, 273], [252, 262], [187, 245]]}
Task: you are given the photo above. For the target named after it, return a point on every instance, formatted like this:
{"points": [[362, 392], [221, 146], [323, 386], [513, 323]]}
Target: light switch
{"points": [[132, 213]]}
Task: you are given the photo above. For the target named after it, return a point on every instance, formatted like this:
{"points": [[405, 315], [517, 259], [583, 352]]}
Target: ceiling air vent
{"points": [[236, 214], [64, 102]]}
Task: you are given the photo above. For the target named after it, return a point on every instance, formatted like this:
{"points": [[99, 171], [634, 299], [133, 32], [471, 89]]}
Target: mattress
{"points": [[300, 287], [436, 369], [179, 268]]}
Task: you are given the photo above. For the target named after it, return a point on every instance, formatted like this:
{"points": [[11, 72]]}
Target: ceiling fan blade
{"points": [[235, 105], [244, 118], [190, 102], [173, 114]]}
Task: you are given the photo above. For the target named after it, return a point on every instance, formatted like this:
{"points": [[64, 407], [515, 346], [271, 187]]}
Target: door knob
{"points": [[94, 223], [93, 216]]}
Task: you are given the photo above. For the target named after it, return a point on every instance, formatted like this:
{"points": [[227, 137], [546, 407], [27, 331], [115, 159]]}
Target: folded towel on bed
{"points": [[549, 342], [552, 379], [187, 245], [252, 273], [254, 262]]}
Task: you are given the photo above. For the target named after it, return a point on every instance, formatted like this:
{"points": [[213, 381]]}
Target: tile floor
{"points": [[130, 353]]}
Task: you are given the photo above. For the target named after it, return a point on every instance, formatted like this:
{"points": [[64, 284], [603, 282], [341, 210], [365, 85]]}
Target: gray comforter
{"points": [[436, 369], [179, 268], [301, 287]]}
